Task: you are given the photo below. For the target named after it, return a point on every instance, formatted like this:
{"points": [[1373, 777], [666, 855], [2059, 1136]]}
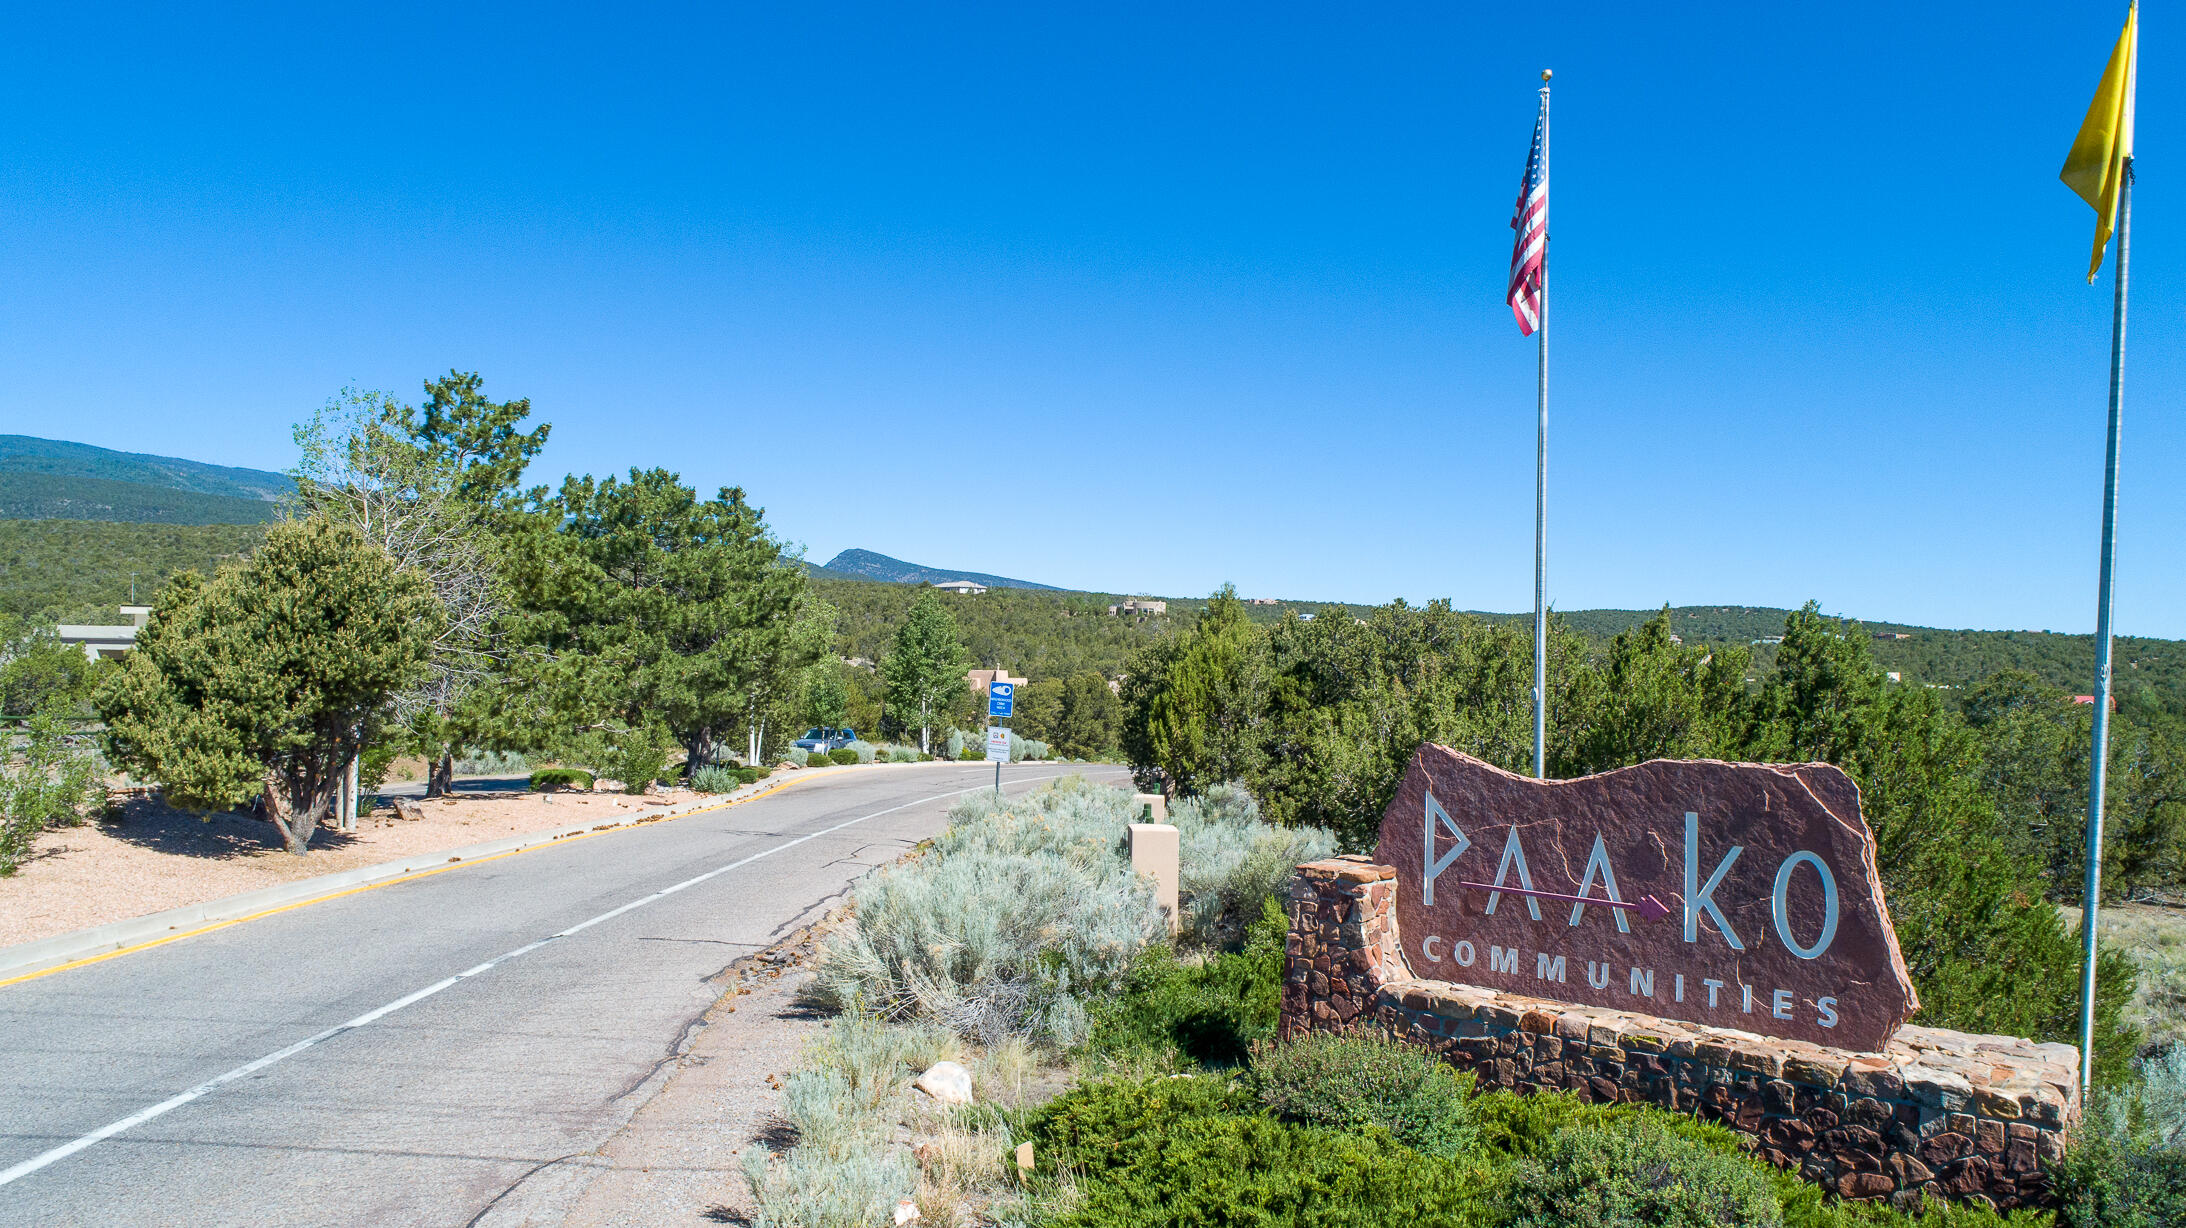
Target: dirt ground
{"points": [[152, 858]]}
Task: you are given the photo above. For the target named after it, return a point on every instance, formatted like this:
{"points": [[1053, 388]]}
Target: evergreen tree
{"points": [[1088, 717], [648, 607], [263, 681], [1201, 720], [1986, 950]]}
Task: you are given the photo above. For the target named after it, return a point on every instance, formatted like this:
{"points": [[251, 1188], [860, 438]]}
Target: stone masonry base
{"points": [[1939, 1113]]}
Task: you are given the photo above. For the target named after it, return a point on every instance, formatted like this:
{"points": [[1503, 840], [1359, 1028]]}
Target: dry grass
{"points": [[964, 1154], [2155, 937]]}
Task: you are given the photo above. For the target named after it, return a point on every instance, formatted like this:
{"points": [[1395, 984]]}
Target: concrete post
{"points": [[1154, 853], [1152, 807]]}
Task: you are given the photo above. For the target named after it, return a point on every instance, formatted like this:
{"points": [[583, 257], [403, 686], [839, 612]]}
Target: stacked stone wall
{"points": [[1937, 1114]]}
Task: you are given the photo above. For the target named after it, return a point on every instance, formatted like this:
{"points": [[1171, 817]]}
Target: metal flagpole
{"points": [[2091, 890], [1540, 492]]}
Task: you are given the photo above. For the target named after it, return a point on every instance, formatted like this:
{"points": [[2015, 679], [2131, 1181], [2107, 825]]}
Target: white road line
{"points": [[141, 1116]]}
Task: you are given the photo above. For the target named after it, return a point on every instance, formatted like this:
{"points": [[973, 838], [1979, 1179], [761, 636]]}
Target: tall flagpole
{"points": [[1540, 493], [2091, 890]]}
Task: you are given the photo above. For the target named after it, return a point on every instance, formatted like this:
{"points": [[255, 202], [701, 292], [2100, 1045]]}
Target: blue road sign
{"points": [[1001, 697]]}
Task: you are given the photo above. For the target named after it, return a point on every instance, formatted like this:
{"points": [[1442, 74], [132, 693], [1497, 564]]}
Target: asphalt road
{"points": [[423, 1052]]}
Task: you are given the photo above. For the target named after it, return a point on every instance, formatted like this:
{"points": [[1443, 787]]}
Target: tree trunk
{"points": [[440, 777], [296, 824]]}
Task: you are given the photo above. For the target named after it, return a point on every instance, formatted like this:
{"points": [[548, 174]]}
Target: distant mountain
{"points": [[866, 565], [51, 479]]}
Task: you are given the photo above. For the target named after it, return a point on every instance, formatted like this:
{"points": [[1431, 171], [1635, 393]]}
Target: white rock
{"points": [[946, 1082], [906, 1211]]}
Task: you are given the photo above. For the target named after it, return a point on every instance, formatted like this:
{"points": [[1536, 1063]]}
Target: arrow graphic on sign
{"points": [[1648, 907]]}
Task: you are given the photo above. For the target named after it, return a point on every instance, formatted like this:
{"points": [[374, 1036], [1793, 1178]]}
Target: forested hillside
{"points": [[44, 479], [72, 570], [1036, 634], [79, 570], [48, 496]]}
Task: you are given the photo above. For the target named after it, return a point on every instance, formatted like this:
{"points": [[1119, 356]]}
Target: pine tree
{"points": [[261, 682]]}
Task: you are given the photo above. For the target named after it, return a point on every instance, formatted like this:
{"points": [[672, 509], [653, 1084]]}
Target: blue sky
{"points": [[1134, 298]]}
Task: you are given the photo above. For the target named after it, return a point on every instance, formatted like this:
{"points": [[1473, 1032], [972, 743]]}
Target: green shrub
{"points": [[797, 755], [811, 1189], [1636, 1173], [1191, 1151], [992, 945], [842, 756], [716, 778], [971, 754], [1356, 1080], [1229, 861], [49, 786], [864, 750], [2127, 1165], [953, 745], [637, 758], [1210, 1013], [556, 779]]}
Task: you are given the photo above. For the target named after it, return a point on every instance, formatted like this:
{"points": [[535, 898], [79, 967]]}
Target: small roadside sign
{"points": [[1001, 697], [998, 744]]}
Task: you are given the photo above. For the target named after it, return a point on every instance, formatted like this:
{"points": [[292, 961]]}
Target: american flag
{"points": [[1528, 255]]}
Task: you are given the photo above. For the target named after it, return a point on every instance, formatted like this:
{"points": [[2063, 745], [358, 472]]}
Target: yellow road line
{"points": [[163, 940]]}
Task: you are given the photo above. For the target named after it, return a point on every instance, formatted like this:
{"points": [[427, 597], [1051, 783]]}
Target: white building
{"points": [[106, 643], [965, 588]]}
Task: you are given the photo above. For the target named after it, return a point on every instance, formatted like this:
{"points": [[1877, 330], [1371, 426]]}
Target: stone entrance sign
{"points": [[1732, 895]]}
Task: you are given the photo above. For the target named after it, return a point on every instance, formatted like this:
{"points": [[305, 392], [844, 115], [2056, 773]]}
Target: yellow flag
{"points": [[2096, 167]]}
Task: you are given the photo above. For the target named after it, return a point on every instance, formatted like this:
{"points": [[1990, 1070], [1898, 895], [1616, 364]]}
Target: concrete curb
{"points": [[45, 953]]}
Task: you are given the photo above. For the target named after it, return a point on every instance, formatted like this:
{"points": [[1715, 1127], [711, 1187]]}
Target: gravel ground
{"points": [[153, 858]]}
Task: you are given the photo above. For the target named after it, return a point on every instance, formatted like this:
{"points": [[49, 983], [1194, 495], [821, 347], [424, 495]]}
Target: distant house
{"points": [[1676, 640], [1893, 635], [1770, 639], [981, 679], [106, 643], [1140, 606], [1262, 601], [967, 588], [2089, 700], [1894, 676]]}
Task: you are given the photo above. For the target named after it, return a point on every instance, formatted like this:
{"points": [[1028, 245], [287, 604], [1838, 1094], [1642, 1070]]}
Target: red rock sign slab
{"points": [[1732, 895]]}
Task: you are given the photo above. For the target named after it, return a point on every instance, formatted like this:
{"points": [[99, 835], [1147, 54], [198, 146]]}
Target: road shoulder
{"points": [[678, 1160]]}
